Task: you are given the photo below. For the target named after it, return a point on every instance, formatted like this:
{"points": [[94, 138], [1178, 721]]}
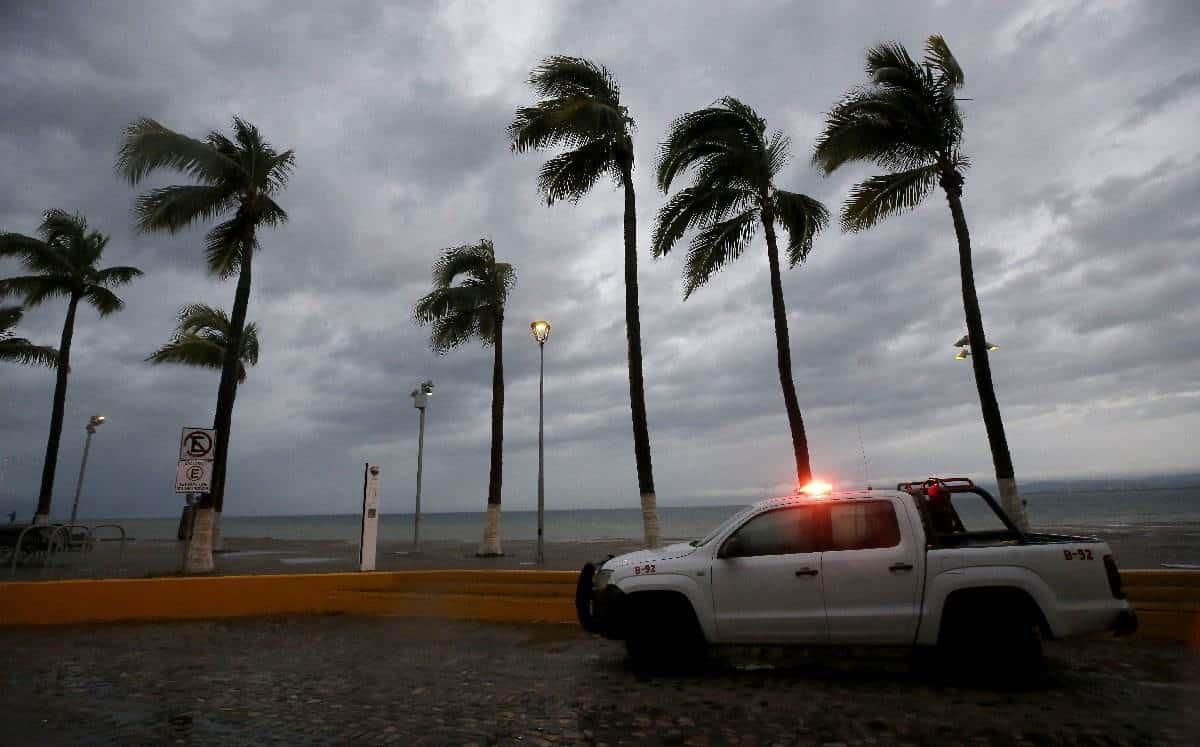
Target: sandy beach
{"points": [[1134, 547]]}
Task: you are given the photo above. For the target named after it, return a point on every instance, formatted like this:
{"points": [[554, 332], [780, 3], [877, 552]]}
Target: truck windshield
{"points": [[731, 521]]}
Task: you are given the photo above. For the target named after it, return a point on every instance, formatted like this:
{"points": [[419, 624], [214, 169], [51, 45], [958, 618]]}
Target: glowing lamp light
{"points": [[540, 330], [816, 487]]}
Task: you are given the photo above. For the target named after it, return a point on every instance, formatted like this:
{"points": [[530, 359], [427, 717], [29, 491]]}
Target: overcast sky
{"points": [[1082, 202]]}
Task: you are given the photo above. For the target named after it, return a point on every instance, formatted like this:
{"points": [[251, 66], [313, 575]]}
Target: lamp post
{"points": [[964, 348], [94, 422], [420, 397], [541, 332]]}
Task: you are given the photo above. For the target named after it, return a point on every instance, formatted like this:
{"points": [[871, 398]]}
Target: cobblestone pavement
{"points": [[354, 680]]}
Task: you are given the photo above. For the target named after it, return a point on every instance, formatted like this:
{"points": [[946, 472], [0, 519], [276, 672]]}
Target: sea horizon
{"points": [[1096, 509]]}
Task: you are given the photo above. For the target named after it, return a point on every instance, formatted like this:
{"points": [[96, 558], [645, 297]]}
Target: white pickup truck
{"points": [[933, 563]]}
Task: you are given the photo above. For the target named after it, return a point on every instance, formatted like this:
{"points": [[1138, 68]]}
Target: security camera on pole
{"points": [[420, 397], [94, 422]]}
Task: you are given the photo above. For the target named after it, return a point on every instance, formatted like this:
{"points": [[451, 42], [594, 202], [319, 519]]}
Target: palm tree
{"points": [[201, 339], [64, 264], [467, 301], [17, 349], [237, 179], [732, 192], [906, 121], [580, 109]]}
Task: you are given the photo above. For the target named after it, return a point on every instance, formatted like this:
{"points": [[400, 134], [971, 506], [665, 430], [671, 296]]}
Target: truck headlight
{"points": [[600, 580]]}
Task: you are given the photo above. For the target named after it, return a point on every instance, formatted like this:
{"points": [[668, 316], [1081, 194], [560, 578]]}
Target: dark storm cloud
{"points": [[1080, 199]]}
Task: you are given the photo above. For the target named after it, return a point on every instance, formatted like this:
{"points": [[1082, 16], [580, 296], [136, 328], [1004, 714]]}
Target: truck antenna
{"points": [[861, 449]]}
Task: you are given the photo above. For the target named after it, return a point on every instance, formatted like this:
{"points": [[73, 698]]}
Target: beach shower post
{"points": [[420, 397], [541, 332]]}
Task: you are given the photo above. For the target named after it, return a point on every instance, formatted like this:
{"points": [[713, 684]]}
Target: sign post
{"points": [[370, 518], [193, 474]]}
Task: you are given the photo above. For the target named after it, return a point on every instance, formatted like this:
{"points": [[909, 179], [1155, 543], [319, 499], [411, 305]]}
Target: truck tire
{"points": [[583, 598], [994, 636], [663, 633]]}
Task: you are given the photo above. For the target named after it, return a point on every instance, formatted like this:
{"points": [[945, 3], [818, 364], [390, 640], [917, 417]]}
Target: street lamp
{"points": [[540, 330], [964, 348], [94, 422], [420, 397]]}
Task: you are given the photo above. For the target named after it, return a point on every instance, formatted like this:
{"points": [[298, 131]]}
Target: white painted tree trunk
{"points": [[491, 532], [1012, 504], [198, 557], [650, 519], [216, 541], [41, 519]]}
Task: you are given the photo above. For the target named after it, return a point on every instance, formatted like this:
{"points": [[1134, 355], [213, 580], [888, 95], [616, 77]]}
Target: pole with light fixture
{"points": [[94, 422], [540, 330], [420, 397], [964, 348]]}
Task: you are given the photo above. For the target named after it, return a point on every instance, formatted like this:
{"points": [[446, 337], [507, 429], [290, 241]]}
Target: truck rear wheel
{"points": [[990, 636]]}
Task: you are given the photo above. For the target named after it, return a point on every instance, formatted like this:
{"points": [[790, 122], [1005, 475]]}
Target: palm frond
{"points": [[570, 122], [177, 207], [147, 146], [22, 351], [250, 345], [193, 350], [196, 317], [571, 175], [888, 194], [470, 289], [19, 245], [269, 213], [202, 338], [37, 288], [939, 57], [693, 207], [112, 277], [10, 316], [562, 76], [877, 127], [729, 129], [889, 63], [103, 300], [453, 329], [60, 225], [18, 349], [278, 171], [470, 260], [804, 218], [224, 244], [715, 246]]}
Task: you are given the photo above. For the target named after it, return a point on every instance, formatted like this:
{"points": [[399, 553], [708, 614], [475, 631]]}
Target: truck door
{"points": [[766, 579], [871, 574]]}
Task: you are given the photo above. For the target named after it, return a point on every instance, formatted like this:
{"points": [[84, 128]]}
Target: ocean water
{"points": [[1097, 510]]}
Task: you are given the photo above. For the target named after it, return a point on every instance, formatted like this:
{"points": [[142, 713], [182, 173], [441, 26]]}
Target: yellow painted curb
{"points": [[1167, 601], [484, 595]]}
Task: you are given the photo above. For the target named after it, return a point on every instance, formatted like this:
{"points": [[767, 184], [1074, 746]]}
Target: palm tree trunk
{"points": [[208, 510], [1001, 459], [637, 387], [491, 531], [46, 492], [198, 557], [784, 351]]}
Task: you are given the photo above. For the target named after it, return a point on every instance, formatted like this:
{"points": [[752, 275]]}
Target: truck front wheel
{"points": [[662, 632]]}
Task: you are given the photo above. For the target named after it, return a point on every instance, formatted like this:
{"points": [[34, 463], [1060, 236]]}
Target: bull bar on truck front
{"points": [[599, 610]]}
